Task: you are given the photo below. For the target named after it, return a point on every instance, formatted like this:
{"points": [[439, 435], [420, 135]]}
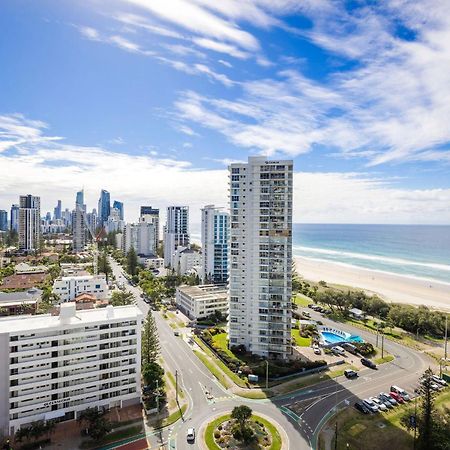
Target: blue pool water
{"points": [[332, 338]]}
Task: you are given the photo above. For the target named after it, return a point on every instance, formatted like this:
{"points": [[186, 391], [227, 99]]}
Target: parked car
{"points": [[190, 436], [338, 350], [439, 380], [379, 403], [398, 398], [361, 407], [306, 314], [401, 392], [176, 333], [368, 363], [388, 399], [317, 350], [350, 373], [370, 405], [350, 348]]}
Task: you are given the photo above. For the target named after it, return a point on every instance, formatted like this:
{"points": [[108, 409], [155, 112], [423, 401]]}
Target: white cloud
{"points": [[55, 170], [221, 47]]}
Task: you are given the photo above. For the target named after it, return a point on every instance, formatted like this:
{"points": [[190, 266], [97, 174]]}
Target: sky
{"points": [[152, 99]]}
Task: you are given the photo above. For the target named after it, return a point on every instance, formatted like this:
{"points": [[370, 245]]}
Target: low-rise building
{"points": [[53, 367], [23, 281], [69, 287], [24, 268], [198, 302], [13, 303], [185, 259], [153, 263]]}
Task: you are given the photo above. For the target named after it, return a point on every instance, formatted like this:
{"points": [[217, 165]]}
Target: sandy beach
{"points": [[395, 288]]}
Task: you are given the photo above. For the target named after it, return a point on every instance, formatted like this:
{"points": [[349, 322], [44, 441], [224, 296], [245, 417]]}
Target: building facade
{"points": [[186, 260], [176, 231], [104, 207], [198, 302], [54, 366], [79, 229], [260, 282], [29, 223], [14, 222], [151, 215], [3, 220], [67, 288], [119, 206], [214, 236], [140, 236]]}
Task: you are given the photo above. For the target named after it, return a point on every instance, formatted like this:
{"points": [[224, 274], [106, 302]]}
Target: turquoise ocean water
{"points": [[420, 251]]}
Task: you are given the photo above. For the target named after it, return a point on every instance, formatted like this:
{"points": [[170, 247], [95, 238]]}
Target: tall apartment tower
{"points": [[57, 211], [104, 207], [3, 220], [214, 234], [151, 215], [260, 282], [29, 223], [176, 231], [14, 223], [119, 206], [79, 229]]}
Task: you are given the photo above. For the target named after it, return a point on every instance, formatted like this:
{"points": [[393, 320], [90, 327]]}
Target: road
{"points": [[318, 401]]}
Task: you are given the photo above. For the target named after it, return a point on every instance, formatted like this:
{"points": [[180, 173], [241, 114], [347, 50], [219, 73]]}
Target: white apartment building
{"points": [[69, 287], [184, 260], [214, 236], [201, 301], [176, 232], [114, 222], [151, 215], [53, 367], [29, 223], [260, 282], [154, 263], [140, 236]]}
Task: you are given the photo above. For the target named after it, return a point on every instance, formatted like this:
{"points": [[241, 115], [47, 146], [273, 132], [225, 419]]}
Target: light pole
{"points": [[176, 385], [382, 345], [157, 396], [267, 374]]}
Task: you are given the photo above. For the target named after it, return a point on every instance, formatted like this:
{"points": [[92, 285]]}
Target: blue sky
{"points": [[151, 99]]}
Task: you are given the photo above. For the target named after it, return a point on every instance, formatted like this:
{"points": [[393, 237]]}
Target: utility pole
{"points": [[267, 374], [378, 325], [445, 339], [382, 345], [176, 385], [336, 437], [157, 396]]}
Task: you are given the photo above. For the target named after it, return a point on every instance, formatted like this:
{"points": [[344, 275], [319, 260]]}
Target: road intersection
{"points": [[301, 413]]}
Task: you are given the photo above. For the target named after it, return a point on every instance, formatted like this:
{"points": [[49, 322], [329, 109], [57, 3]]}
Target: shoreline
{"points": [[389, 286]]}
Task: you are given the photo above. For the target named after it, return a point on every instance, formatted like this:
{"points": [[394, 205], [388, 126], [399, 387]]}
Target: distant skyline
{"points": [[151, 99]]}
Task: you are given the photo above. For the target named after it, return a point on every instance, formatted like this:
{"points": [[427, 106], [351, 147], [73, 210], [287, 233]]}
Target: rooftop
{"points": [[31, 294], [68, 317], [204, 290]]}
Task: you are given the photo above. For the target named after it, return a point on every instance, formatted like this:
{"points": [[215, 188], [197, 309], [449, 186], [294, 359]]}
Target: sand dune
{"points": [[395, 288]]}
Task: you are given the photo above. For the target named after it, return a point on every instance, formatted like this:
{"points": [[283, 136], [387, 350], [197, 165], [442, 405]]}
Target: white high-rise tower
{"points": [[260, 282], [215, 233], [29, 223], [176, 231]]}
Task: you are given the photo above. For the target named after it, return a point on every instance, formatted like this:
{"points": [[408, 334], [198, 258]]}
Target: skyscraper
{"points": [[260, 282], [29, 223], [57, 211], [176, 231], [3, 220], [79, 229], [14, 224], [151, 215], [119, 206], [104, 207], [80, 198], [215, 233]]}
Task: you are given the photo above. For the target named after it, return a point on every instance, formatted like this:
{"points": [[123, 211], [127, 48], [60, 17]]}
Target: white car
{"points": [[317, 350], [370, 405], [379, 403], [439, 380], [338, 350], [190, 436]]}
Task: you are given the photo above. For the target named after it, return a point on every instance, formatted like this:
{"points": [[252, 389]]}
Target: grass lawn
{"points": [[172, 382], [173, 417], [209, 432], [377, 431], [213, 369], [302, 300], [299, 340]]}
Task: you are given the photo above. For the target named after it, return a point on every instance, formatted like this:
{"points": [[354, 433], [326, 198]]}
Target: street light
{"points": [[267, 374]]}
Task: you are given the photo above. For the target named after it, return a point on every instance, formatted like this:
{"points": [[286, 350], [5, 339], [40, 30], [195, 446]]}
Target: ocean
{"points": [[419, 251]]}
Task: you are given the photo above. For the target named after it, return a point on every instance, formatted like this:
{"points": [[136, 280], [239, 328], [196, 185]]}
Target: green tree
{"points": [[153, 375], [103, 265], [120, 298], [95, 422], [241, 414], [150, 341], [132, 262]]}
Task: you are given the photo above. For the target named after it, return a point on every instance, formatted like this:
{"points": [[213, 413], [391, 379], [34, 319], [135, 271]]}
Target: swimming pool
{"points": [[336, 336]]}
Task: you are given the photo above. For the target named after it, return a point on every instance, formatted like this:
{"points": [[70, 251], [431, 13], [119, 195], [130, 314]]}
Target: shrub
{"points": [[217, 434]]}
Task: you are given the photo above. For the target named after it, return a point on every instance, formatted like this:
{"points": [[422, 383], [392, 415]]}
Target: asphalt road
{"points": [[316, 402]]}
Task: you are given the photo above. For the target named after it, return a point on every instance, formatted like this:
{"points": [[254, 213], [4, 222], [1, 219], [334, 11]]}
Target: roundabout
{"points": [[225, 431]]}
